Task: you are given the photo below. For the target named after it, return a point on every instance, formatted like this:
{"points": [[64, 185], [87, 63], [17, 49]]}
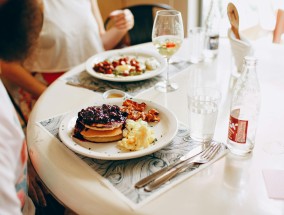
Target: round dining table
{"points": [[230, 185]]}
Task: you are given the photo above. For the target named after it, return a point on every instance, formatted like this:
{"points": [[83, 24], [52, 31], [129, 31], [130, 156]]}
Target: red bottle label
{"points": [[238, 130]]}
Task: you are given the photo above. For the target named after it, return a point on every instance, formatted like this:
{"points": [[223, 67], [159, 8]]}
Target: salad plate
{"points": [[150, 62]]}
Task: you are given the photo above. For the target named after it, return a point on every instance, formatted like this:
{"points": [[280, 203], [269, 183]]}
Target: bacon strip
{"points": [[136, 111]]}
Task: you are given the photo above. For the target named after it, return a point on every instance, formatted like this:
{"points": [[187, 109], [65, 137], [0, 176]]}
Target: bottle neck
{"points": [[249, 64], [248, 78], [213, 18], [248, 70]]}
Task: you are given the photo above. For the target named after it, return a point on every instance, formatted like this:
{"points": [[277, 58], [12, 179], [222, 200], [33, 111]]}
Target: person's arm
{"points": [[16, 74], [12, 151], [279, 27], [36, 188], [123, 21]]}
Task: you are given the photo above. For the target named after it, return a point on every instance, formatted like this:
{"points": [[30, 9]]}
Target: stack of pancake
{"points": [[103, 133], [100, 124]]}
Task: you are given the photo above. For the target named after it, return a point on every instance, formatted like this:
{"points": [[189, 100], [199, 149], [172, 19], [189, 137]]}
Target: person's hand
{"points": [[36, 189], [279, 26], [123, 19]]}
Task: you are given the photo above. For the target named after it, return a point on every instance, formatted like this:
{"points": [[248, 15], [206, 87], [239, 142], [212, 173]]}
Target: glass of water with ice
{"points": [[203, 105]]}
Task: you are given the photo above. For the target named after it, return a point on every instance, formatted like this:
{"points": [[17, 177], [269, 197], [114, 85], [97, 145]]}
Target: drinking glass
{"points": [[196, 37], [203, 105], [167, 36]]}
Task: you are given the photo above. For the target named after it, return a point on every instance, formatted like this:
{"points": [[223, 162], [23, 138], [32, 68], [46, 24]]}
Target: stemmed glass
{"points": [[167, 36]]}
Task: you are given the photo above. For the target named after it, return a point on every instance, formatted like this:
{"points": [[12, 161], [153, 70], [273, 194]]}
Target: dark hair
{"points": [[20, 24]]}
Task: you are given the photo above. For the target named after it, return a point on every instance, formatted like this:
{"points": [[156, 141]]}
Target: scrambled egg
{"points": [[124, 69], [151, 64], [137, 135]]}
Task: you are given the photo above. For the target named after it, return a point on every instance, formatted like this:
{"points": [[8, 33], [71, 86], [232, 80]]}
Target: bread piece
{"points": [[97, 133], [104, 139], [102, 127]]}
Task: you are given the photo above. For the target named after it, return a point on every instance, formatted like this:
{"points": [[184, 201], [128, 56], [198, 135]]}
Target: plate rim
{"points": [[119, 156], [90, 71]]}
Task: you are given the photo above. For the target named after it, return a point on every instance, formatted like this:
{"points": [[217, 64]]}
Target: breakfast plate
{"points": [[141, 56], [164, 132]]}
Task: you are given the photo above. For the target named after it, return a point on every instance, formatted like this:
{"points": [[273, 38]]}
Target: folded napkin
{"points": [[240, 49], [274, 181]]}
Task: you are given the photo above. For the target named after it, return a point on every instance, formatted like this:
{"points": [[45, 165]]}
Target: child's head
{"points": [[20, 24]]}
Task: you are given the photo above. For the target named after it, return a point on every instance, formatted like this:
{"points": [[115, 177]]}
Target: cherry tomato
{"points": [[170, 45]]}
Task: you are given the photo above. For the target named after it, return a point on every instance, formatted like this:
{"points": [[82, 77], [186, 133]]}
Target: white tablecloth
{"points": [[232, 185]]}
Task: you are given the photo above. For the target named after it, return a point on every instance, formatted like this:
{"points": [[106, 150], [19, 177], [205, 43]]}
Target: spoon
{"points": [[234, 19]]}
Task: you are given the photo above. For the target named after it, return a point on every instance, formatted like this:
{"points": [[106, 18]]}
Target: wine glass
{"points": [[167, 36]]}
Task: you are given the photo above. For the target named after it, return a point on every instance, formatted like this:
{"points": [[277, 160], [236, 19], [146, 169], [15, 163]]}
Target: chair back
{"points": [[144, 15]]}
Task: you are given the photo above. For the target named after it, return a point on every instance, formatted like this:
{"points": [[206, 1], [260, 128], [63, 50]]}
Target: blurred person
{"points": [[20, 24], [279, 26], [72, 32]]}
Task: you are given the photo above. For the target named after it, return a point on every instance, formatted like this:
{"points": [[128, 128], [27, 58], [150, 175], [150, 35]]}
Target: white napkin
{"points": [[274, 181], [240, 49]]}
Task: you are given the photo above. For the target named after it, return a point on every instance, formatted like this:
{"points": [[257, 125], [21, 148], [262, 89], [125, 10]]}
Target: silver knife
{"points": [[182, 167], [167, 176], [192, 153]]}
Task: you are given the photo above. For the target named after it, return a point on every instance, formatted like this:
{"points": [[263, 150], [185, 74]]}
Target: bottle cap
{"points": [[250, 60]]}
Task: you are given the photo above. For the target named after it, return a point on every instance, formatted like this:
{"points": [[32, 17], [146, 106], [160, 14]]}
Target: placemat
{"points": [[132, 88], [120, 176]]}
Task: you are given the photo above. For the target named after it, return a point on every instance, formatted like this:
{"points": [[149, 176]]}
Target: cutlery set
{"points": [[198, 155]]}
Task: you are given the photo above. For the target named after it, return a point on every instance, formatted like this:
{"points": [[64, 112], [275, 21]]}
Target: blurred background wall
{"points": [[253, 13], [189, 8]]}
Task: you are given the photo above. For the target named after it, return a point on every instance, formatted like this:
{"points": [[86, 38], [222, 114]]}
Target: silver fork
{"points": [[207, 155]]}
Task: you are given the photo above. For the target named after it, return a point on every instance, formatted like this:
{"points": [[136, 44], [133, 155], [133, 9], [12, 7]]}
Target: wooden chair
{"points": [[144, 15]]}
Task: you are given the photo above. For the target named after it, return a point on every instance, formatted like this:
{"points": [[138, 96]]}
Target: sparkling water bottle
{"points": [[212, 26], [244, 112]]}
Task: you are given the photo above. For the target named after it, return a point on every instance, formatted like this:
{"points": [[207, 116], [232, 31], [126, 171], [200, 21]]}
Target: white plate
{"points": [[137, 53], [165, 131]]}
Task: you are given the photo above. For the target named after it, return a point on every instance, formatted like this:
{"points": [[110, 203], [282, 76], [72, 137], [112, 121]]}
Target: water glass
{"points": [[203, 105], [196, 37]]}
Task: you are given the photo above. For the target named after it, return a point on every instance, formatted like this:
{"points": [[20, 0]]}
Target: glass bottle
{"points": [[244, 111], [212, 26]]}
